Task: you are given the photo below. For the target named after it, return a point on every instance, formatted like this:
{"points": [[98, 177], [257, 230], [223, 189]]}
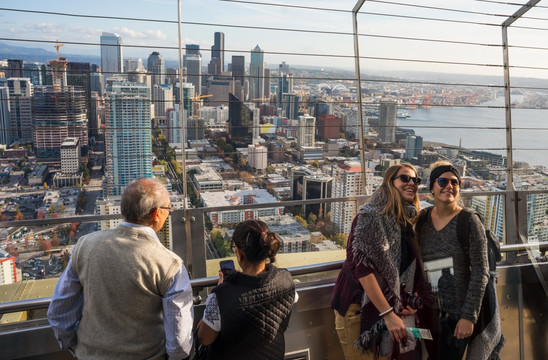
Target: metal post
{"points": [[359, 79], [186, 218]]}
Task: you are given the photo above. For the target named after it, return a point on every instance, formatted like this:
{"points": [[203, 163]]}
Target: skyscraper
{"points": [[387, 121], [127, 135], [5, 133], [21, 91], [36, 72], [156, 69], [240, 120], [413, 146], [218, 49], [111, 54], [15, 68], [256, 74], [162, 98], [194, 66], [307, 130], [238, 68]]}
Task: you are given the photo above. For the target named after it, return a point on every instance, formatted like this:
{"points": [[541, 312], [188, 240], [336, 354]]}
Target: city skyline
{"points": [[471, 33]]}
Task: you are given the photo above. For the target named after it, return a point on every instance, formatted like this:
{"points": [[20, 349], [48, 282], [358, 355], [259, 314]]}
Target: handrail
{"points": [[200, 283]]}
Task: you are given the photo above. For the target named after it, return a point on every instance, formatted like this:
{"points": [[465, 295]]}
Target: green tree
{"points": [[270, 170], [315, 164]]}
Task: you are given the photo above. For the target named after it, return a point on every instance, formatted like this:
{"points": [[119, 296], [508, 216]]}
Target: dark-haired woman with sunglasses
{"points": [[457, 279], [381, 258]]}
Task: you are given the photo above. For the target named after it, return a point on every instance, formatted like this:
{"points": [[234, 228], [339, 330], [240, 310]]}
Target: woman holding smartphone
{"points": [[381, 259], [458, 278], [247, 314]]}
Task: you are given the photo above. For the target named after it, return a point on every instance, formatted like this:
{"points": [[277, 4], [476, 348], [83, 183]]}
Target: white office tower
{"points": [[162, 98], [111, 54], [306, 131], [387, 121], [174, 133], [133, 64], [21, 95], [127, 135], [194, 68], [491, 209], [347, 181], [256, 75], [214, 115], [5, 133], [257, 156], [70, 155]]}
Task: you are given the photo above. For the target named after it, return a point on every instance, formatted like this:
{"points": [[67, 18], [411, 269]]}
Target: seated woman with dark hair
{"points": [[247, 314]]}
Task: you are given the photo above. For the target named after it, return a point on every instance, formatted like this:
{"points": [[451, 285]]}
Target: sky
{"points": [[204, 17]]}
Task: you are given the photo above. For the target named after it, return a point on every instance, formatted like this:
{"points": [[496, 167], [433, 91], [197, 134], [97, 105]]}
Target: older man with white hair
{"points": [[124, 295]]}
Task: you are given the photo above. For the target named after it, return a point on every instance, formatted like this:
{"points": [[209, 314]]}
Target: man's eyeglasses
{"points": [[442, 182], [407, 178], [169, 208]]}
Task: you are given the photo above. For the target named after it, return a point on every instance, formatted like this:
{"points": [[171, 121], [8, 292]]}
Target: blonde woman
{"points": [[381, 255]]}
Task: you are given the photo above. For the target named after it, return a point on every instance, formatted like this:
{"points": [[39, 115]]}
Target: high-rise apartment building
{"points": [[58, 114], [156, 68], [194, 128], [256, 74], [347, 181], [306, 131], [218, 49], [194, 67], [387, 121], [21, 92], [127, 135], [111, 54]]}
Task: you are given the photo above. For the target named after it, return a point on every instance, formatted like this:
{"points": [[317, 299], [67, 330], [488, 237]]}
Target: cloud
{"points": [[46, 28], [85, 30], [148, 34]]}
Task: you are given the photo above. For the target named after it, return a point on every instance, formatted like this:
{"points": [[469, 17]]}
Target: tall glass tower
{"points": [[156, 68], [111, 54], [127, 135], [218, 49], [256, 74]]}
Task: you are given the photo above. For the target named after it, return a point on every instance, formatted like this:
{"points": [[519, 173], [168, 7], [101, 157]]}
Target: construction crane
{"points": [[57, 48]]}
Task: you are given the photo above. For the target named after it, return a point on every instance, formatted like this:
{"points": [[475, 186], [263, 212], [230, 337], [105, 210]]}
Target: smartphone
{"points": [[227, 267]]}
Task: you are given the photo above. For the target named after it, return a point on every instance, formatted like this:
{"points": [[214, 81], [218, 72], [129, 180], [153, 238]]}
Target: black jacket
{"points": [[255, 313]]}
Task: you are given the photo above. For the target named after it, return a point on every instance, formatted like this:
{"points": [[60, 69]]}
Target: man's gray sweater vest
{"points": [[124, 273]]}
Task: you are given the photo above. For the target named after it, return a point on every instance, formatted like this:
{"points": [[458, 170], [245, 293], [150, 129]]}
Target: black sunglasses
{"points": [[442, 182], [407, 178]]}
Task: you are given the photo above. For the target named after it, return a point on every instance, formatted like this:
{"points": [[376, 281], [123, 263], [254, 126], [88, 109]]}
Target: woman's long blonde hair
{"points": [[391, 195]]}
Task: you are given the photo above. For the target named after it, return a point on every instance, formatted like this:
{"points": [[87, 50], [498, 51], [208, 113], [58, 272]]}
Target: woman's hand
{"points": [[463, 329], [408, 311], [395, 327]]}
